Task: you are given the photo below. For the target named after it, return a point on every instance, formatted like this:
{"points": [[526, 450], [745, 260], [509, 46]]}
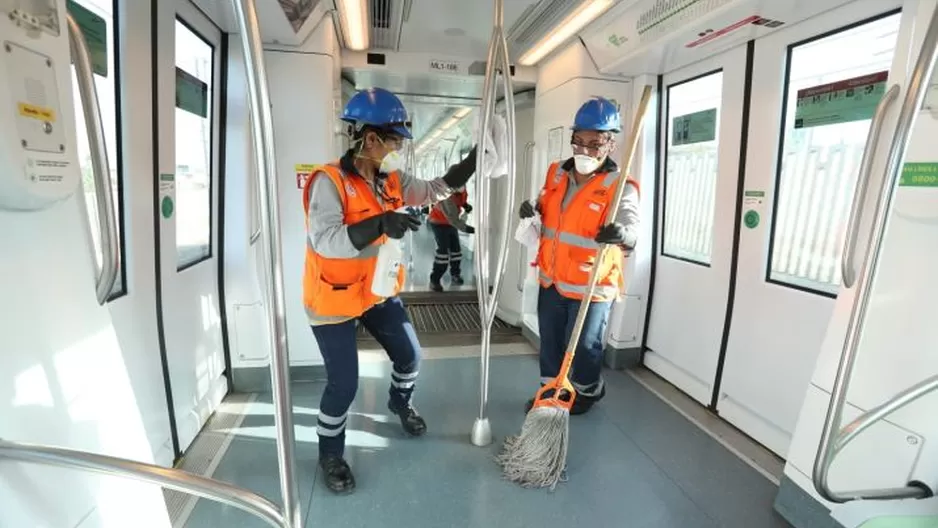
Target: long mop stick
{"points": [[537, 457]]}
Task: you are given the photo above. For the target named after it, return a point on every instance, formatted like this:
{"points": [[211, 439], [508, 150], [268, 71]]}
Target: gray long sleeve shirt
{"points": [[327, 231]]}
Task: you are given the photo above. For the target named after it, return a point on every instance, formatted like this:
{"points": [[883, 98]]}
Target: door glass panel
{"points": [[833, 85], [97, 16], [195, 64], [691, 167]]}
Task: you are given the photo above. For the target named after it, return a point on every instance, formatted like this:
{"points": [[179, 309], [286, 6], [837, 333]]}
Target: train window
{"points": [[96, 18], [194, 75], [833, 84], [691, 167]]}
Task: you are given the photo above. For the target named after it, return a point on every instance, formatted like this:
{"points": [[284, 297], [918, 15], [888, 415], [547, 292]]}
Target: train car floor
{"points": [[634, 461]]}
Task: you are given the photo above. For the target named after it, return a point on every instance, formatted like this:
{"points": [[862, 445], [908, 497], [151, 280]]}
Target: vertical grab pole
{"points": [[488, 291], [262, 124]]}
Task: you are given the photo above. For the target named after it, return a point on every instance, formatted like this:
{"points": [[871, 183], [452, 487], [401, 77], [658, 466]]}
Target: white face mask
{"points": [[392, 161], [586, 164]]}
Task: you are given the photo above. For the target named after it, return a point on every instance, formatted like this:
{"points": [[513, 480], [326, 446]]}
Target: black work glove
{"points": [[425, 210], [470, 230], [467, 208], [391, 223], [613, 234], [459, 174], [528, 209]]}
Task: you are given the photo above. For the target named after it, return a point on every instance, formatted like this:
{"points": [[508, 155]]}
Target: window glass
{"points": [[833, 86], [195, 64], [691, 168], [97, 17]]}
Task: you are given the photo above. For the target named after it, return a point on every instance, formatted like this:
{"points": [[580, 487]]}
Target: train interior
{"points": [[772, 361]]}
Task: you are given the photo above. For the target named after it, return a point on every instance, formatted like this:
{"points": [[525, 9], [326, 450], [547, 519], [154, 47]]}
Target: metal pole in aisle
{"points": [[262, 122], [488, 290]]}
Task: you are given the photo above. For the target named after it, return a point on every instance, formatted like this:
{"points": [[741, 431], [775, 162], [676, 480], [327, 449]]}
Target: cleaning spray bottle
{"points": [[388, 267]]}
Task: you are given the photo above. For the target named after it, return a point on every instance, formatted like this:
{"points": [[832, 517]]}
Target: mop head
{"points": [[537, 457]]}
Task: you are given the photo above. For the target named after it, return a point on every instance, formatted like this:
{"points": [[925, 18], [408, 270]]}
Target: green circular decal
{"points": [[166, 207], [751, 219]]}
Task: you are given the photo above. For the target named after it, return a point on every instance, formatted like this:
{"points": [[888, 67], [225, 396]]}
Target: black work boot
{"points": [[338, 475], [411, 421], [457, 280], [583, 404], [435, 285]]}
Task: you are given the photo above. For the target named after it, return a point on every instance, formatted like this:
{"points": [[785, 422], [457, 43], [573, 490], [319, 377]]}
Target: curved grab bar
{"points": [[262, 129], [107, 223], [497, 60], [827, 449], [527, 165], [847, 266], [175, 479]]}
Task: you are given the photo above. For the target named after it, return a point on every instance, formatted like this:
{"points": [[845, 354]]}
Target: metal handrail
{"points": [[175, 479], [829, 446], [847, 266], [107, 221], [526, 167], [266, 160], [488, 292]]}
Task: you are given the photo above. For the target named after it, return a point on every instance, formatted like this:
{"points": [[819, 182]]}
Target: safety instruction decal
{"points": [[752, 202], [844, 101], [191, 93], [94, 29], [41, 113], [919, 175], [697, 127], [304, 171], [167, 184]]}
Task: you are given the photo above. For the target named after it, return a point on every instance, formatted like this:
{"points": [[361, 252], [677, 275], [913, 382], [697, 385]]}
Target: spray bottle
{"points": [[388, 268]]}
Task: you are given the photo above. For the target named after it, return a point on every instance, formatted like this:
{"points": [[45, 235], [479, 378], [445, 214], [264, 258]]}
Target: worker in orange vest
{"points": [[352, 207], [573, 204], [446, 223]]}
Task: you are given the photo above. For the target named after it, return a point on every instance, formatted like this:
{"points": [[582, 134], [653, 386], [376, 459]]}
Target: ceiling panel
{"points": [[459, 27]]}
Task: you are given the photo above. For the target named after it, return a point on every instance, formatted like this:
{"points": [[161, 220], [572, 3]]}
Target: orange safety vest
{"points": [[436, 214], [340, 288], [567, 249]]}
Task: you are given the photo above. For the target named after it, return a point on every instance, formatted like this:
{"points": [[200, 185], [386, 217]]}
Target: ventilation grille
{"points": [[386, 18], [537, 20]]}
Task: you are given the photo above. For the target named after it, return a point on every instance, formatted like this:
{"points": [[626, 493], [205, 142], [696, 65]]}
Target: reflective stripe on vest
{"points": [[571, 220], [336, 289], [436, 212]]}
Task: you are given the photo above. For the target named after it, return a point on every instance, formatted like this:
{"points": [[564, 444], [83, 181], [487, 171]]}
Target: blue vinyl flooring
{"points": [[634, 462]]}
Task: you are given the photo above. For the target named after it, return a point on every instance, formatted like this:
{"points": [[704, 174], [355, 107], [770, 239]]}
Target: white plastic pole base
{"points": [[481, 432]]}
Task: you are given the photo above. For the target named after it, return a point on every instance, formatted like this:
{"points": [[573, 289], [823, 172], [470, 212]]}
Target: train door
{"points": [[188, 72], [815, 87], [700, 152]]}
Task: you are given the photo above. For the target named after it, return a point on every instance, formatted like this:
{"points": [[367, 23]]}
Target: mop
{"points": [[538, 456]]}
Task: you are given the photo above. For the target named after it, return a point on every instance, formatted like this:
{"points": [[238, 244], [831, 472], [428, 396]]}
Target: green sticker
{"points": [[919, 175], [697, 127], [840, 102], [751, 219], [166, 207], [191, 93], [94, 29]]}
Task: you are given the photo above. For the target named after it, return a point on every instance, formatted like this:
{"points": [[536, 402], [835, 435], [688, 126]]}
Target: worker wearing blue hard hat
{"points": [[354, 205], [572, 205]]}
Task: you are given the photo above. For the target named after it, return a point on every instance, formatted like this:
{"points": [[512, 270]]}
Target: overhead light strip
{"points": [[570, 25], [353, 15]]}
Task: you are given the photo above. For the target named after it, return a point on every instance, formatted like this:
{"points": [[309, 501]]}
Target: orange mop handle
{"points": [[561, 381]]}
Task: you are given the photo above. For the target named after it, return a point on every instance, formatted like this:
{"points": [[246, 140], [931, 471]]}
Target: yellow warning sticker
{"points": [[41, 113]]}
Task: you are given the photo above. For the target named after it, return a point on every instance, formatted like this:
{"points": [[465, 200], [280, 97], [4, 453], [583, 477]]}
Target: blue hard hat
{"points": [[598, 114], [379, 108]]}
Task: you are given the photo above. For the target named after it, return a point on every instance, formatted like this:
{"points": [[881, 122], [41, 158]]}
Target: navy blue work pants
{"points": [[390, 326], [555, 317]]}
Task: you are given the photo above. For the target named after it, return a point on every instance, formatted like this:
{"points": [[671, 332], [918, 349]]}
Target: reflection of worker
{"points": [[446, 223], [572, 204], [351, 207]]}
